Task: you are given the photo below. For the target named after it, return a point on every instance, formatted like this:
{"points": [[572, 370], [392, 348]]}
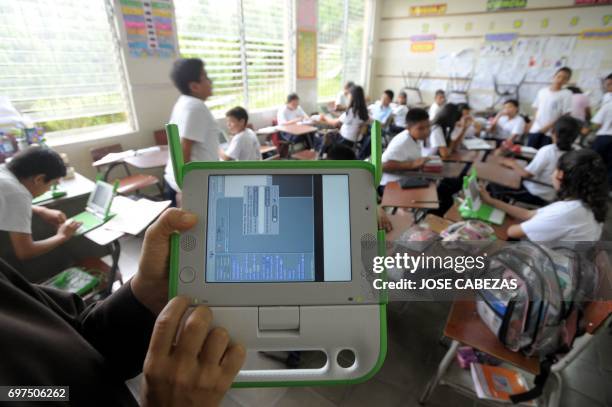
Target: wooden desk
{"points": [[493, 159], [297, 129], [465, 326], [426, 198], [401, 221], [266, 149], [497, 174], [466, 156], [149, 159], [501, 231], [449, 170]]}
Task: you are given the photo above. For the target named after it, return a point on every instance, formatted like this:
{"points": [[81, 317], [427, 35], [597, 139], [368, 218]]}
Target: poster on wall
{"points": [[429, 10], [495, 5], [307, 54], [596, 34], [422, 46], [149, 28]]}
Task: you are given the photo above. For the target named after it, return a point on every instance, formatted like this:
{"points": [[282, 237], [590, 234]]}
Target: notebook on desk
{"points": [[97, 211], [476, 144]]}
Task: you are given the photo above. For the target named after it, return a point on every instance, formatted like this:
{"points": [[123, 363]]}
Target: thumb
{"points": [[170, 221]]}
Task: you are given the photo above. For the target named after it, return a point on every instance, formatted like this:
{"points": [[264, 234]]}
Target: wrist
{"points": [[153, 294]]}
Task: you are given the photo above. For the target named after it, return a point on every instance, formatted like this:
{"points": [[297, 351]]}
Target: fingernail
{"points": [[188, 218]]}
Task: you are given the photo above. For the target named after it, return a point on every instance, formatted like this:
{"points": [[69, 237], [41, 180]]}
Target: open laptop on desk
{"points": [[473, 208], [97, 211]]}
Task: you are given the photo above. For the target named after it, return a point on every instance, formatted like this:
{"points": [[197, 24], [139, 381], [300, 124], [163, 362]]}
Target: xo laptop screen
{"points": [[278, 228]]}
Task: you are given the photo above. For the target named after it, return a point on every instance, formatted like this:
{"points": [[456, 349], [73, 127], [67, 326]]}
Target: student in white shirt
{"points": [[342, 98], [404, 151], [399, 111], [439, 101], [603, 142], [244, 145], [291, 113], [197, 127], [350, 122], [381, 110], [607, 97], [448, 129], [578, 215], [29, 174], [508, 124], [536, 187], [581, 108], [551, 103]]}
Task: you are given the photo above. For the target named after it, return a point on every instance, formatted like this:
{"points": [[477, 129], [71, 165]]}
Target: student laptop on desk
{"points": [[473, 208], [97, 210]]}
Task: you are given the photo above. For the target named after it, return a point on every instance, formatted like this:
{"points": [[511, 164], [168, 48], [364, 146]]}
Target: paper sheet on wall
{"points": [[457, 64], [431, 85], [590, 82]]}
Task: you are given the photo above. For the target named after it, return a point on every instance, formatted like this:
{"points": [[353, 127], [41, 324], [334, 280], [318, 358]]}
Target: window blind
{"points": [[60, 63]]}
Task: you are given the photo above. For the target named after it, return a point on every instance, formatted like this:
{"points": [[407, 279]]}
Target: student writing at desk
{"points": [[197, 127], [29, 174], [244, 145], [49, 337], [579, 212], [536, 188]]}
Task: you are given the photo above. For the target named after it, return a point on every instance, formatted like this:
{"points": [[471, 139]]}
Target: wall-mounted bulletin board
{"points": [[493, 41]]}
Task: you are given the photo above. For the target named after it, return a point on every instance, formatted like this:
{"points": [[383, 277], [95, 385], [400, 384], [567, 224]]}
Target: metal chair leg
{"points": [[442, 368]]}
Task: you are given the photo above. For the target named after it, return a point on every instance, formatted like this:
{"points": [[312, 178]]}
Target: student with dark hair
{"points": [[381, 110], [607, 97], [508, 124], [341, 152], [399, 111], [291, 112], [350, 122], [551, 103], [197, 127], [581, 108], [342, 98], [439, 101], [602, 122], [29, 174], [448, 129], [244, 145], [536, 188], [580, 210]]}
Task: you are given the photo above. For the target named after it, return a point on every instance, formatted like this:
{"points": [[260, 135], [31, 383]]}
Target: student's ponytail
{"points": [[585, 178], [566, 130]]}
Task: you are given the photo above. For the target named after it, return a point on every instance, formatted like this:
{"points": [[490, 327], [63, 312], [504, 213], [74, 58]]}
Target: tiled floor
{"points": [[414, 350]]}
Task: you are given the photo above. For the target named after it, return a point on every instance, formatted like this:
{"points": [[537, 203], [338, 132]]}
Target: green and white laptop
{"points": [[473, 208], [97, 210]]}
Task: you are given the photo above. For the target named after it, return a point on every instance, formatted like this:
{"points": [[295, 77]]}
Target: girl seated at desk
{"points": [[536, 188], [450, 126], [577, 215], [351, 121]]}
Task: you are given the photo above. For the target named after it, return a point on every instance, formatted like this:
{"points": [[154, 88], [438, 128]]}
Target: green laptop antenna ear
{"points": [[99, 176], [376, 153], [176, 152]]}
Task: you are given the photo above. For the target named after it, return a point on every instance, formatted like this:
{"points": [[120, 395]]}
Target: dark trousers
{"points": [[522, 195], [538, 140], [170, 194], [603, 146]]}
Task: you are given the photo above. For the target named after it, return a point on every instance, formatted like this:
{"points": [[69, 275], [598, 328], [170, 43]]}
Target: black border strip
{"points": [[317, 181]]}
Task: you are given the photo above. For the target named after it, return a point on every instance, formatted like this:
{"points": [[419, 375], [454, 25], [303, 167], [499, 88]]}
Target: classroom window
{"points": [[340, 45], [242, 43], [60, 63]]}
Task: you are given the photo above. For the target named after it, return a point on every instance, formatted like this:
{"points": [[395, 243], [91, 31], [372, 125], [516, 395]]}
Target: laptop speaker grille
{"points": [[188, 243]]}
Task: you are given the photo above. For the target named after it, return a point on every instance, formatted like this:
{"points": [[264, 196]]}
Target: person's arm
{"points": [[391, 165], [588, 114], [335, 122], [224, 156], [516, 212], [454, 143], [186, 145], [495, 120], [51, 216], [516, 167], [26, 248]]}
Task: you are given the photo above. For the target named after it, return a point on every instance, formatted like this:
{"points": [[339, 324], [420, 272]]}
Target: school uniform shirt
{"points": [[285, 114], [342, 99], [49, 337], [195, 123], [434, 141], [399, 115], [507, 126], [580, 103], [15, 204], [350, 125], [401, 148], [244, 146], [542, 167], [564, 221], [380, 112], [550, 106], [604, 119], [607, 97], [433, 110]]}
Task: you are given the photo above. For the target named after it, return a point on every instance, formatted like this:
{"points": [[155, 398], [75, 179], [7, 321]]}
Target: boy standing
{"points": [[29, 174], [244, 145], [551, 103]]}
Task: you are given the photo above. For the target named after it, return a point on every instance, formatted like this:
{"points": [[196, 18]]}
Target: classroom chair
{"points": [[131, 183], [160, 137]]}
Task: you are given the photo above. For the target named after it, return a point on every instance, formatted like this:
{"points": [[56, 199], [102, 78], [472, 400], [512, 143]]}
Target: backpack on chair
{"points": [[540, 318]]}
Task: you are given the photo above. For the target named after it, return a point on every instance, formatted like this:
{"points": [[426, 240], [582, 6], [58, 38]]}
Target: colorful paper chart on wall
{"points": [[149, 27], [494, 5], [429, 10], [307, 54], [596, 34]]}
